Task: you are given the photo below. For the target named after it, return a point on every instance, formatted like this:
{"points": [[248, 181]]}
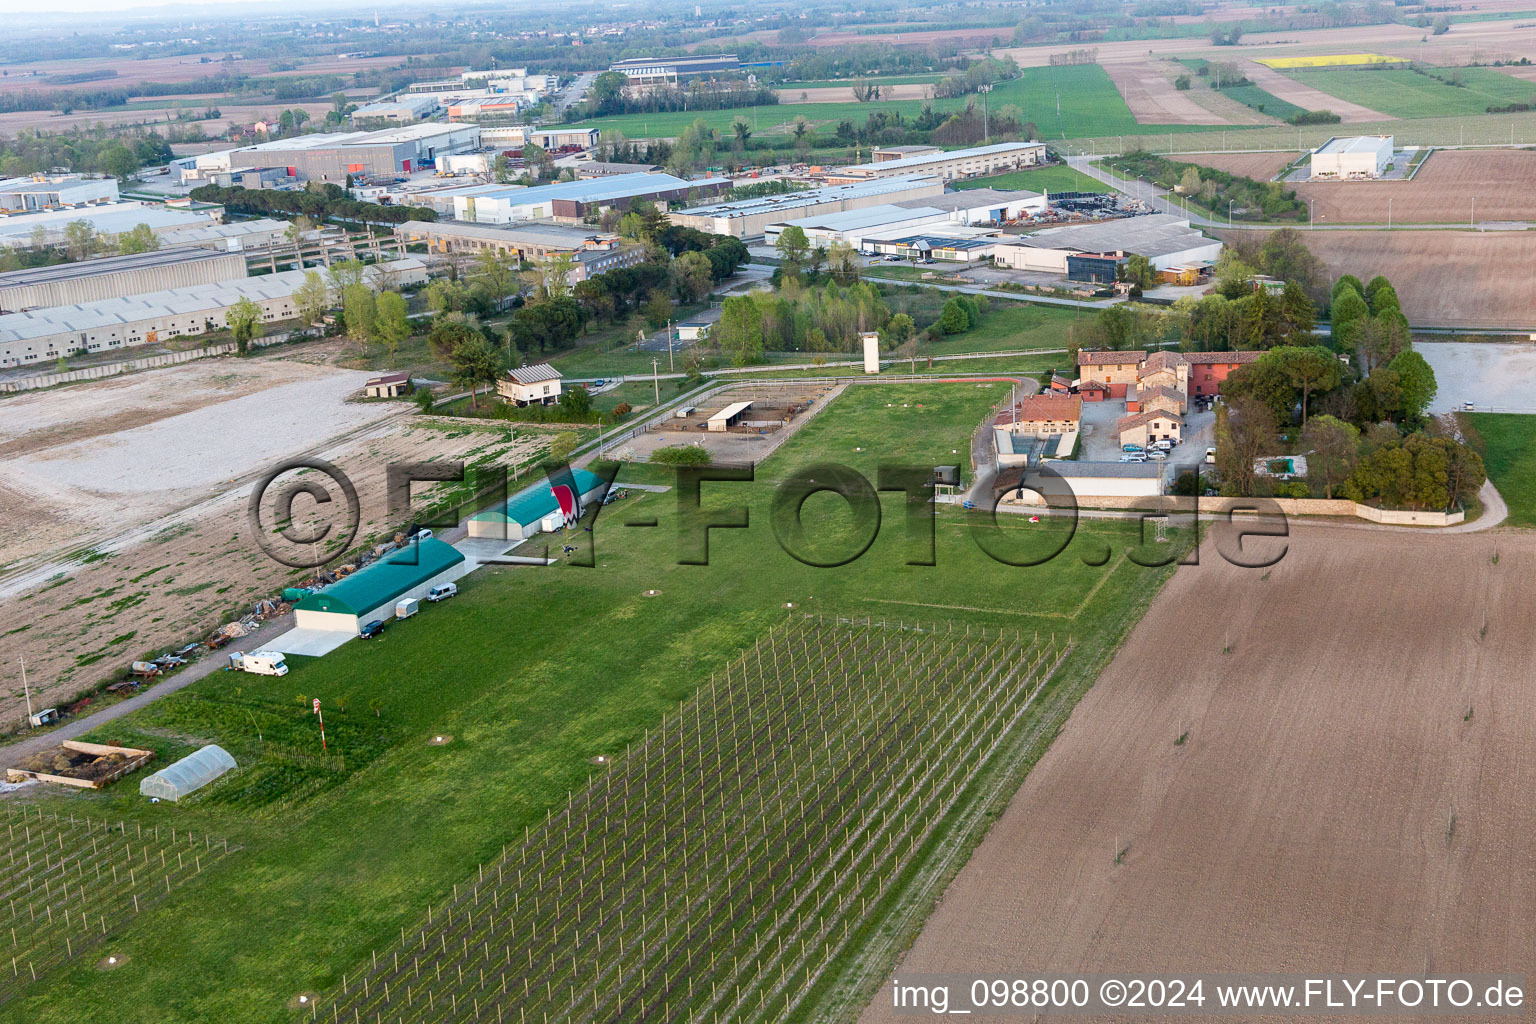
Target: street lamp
{"points": [[1229, 212]]}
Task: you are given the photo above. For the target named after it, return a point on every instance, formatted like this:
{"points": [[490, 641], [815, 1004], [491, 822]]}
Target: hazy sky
{"points": [[142, 8]]}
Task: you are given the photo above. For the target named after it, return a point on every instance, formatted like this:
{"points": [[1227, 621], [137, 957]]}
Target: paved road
{"points": [[573, 93], [210, 662]]}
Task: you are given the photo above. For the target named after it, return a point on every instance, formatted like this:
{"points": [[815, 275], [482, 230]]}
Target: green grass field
{"points": [[1052, 178], [1063, 102], [533, 673], [792, 89], [1508, 446], [1404, 93], [1263, 101]]}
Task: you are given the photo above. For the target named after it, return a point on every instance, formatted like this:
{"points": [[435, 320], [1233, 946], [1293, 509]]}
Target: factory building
{"points": [[108, 220], [747, 218], [43, 335], [594, 252], [972, 213], [553, 139], [68, 284], [574, 201], [332, 156], [645, 72], [56, 192], [234, 237], [1165, 239], [406, 109], [1359, 156], [887, 153], [948, 166]]}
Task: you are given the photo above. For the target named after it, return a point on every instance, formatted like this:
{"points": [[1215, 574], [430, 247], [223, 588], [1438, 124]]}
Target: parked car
{"points": [[421, 534], [1131, 448], [1133, 457], [442, 592], [893, 258], [1210, 456], [1157, 453], [1164, 445], [372, 629]]}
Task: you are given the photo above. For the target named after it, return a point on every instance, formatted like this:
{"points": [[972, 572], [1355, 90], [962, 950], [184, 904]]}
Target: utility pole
{"points": [[656, 378], [671, 363], [26, 690]]}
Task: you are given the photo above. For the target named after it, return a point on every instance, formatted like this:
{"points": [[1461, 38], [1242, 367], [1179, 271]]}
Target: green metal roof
{"points": [[537, 501], [385, 580]]}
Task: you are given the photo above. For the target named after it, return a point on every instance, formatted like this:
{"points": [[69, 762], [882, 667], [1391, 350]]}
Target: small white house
{"points": [[694, 330], [530, 385]]}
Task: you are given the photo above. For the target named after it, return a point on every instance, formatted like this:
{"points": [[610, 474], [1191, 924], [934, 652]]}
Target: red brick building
{"points": [[1208, 369]]}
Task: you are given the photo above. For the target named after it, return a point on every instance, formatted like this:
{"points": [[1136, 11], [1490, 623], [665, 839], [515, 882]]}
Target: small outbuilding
{"points": [[728, 417], [391, 385], [188, 775], [373, 591]]}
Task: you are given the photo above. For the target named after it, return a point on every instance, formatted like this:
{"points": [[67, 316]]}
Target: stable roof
{"points": [[730, 412], [538, 501], [378, 584]]}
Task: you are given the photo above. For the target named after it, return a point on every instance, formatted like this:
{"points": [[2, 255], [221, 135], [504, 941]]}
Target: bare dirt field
{"points": [[748, 445], [1351, 793], [89, 460], [1502, 182], [125, 502], [1150, 94], [1258, 166], [182, 68], [54, 121], [1446, 278]]}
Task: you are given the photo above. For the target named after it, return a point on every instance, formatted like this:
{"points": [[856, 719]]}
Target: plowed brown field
{"points": [[1352, 793], [1502, 181], [1446, 278]]}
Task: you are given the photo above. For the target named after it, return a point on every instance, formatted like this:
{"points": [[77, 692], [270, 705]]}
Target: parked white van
{"points": [[262, 663], [442, 592]]}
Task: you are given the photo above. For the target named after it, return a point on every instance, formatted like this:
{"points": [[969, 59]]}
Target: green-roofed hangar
{"points": [[371, 592], [535, 510]]}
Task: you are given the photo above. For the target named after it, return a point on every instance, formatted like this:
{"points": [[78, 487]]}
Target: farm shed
{"points": [[532, 511], [391, 385], [728, 417], [188, 775], [79, 764], [371, 592]]}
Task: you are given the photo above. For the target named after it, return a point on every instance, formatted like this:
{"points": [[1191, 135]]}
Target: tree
{"points": [[390, 321], [1245, 433], [658, 308], [445, 296], [1310, 370], [118, 160], [243, 318], [346, 273], [1333, 447], [80, 240], [1416, 379], [741, 330], [1285, 255], [692, 276], [562, 445], [953, 318], [1297, 314], [312, 298], [1139, 271], [606, 94], [555, 275], [494, 276], [449, 332], [576, 402], [843, 262], [898, 330], [1347, 282], [793, 247], [139, 238], [359, 312], [1380, 338], [742, 129], [1379, 396], [537, 160], [474, 363], [298, 229]]}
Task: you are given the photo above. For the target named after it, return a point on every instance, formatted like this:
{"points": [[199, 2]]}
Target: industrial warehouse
{"points": [[48, 334], [1165, 239], [54, 192], [576, 200], [968, 215], [592, 252], [107, 221], [68, 284], [332, 156], [746, 218], [947, 166]]}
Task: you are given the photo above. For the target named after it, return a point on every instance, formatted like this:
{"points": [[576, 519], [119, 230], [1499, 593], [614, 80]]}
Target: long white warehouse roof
{"points": [[42, 323]]}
